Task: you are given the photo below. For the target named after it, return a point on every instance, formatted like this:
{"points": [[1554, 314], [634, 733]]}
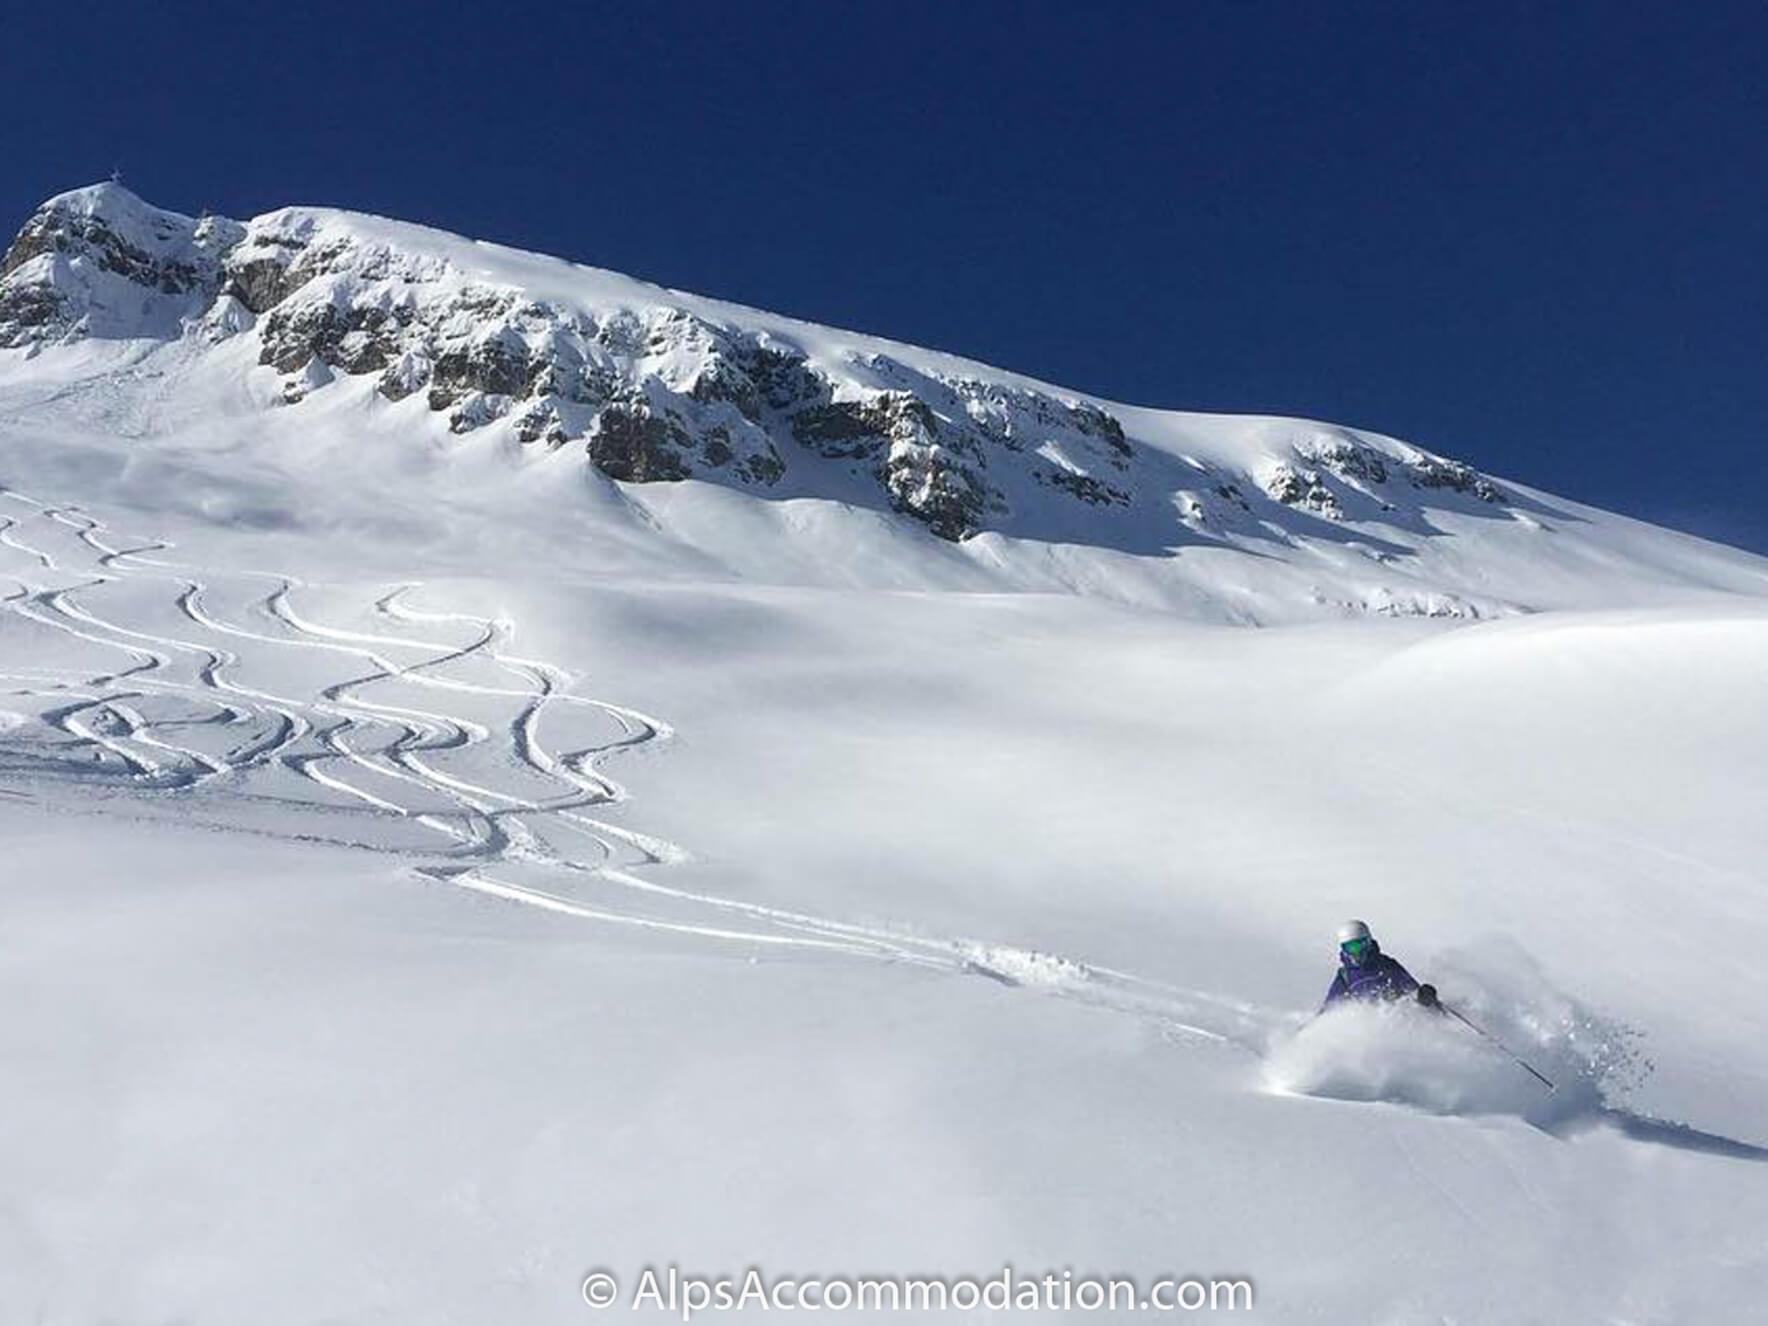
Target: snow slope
{"points": [[308, 335], [440, 868]]}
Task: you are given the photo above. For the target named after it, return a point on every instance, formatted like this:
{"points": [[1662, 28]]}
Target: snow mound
{"points": [[1023, 967], [1405, 1054]]}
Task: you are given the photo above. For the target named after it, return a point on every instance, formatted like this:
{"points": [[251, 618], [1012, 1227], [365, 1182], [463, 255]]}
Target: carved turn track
{"points": [[252, 701]]}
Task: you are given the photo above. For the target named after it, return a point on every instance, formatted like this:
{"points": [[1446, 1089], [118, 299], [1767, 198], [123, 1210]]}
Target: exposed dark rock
{"points": [[1302, 489], [1358, 463], [1434, 472], [404, 376], [1084, 486], [27, 312], [782, 380], [631, 443], [57, 230], [37, 237], [764, 467], [561, 372], [1094, 422], [621, 333], [847, 430], [500, 366], [260, 284], [721, 380], [946, 498], [717, 447], [929, 469], [1231, 492], [475, 410], [269, 268], [357, 339], [1348, 460], [856, 429], [540, 422], [1018, 419]]}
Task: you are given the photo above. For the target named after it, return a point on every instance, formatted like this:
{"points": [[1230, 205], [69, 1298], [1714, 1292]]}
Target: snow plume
{"points": [[1405, 1054]]}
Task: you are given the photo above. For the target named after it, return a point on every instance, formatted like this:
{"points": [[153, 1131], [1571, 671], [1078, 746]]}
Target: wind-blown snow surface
{"points": [[437, 871]]}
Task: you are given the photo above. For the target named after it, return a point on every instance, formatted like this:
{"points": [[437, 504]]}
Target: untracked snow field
{"points": [[409, 911]]}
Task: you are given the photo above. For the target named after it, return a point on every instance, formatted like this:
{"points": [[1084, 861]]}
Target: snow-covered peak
{"points": [[125, 214], [99, 261], [398, 333]]}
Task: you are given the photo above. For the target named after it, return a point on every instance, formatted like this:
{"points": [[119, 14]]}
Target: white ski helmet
{"points": [[1353, 930]]}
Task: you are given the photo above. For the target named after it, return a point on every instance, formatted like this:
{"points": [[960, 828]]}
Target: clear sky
{"points": [[1534, 236]]}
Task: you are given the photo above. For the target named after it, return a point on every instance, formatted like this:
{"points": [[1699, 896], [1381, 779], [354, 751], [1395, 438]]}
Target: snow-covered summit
{"points": [[99, 261], [427, 333]]}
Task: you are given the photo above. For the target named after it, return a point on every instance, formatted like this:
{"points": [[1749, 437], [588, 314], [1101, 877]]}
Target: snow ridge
{"points": [[412, 330], [657, 389]]}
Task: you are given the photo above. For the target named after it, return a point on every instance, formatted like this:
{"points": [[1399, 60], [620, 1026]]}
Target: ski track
{"points": [[374, 764]]}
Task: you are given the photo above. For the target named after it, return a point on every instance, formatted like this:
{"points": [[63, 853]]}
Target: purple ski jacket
{"points": [[1379, 978]]}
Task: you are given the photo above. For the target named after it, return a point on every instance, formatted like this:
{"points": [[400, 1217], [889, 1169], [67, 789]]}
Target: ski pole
{"points": [[1514, 1057]]}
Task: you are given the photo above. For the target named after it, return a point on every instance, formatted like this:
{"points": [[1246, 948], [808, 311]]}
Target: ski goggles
{"points": [[1357, 949]]}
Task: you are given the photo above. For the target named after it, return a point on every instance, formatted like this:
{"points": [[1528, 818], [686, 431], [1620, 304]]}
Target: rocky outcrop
{"points": [[85, 257], [630, 441], [183, 262], [949, 499], [1302, 489], [1361, 468], [350, 339], [931, 468], [653, 388], [1093, 491], [30, 314], [1351, 461], [657, 394], [1435, 472]]}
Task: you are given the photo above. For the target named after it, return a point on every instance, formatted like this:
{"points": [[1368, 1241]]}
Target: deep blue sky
{"points": [[1534, 236]]}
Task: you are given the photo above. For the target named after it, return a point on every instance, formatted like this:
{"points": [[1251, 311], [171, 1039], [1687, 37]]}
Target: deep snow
{"points": [[437, 871]]}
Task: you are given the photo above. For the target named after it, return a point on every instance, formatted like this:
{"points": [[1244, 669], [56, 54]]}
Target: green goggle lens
{"points": [[1357, 949]]}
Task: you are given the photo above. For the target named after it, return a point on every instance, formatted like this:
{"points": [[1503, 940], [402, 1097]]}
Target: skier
{"points": [[1365, 972]]}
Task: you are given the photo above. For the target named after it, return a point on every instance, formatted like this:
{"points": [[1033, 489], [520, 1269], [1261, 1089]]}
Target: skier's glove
{"points": [[1427, 996]]}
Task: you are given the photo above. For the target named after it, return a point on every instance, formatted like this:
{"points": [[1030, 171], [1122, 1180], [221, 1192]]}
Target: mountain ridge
{"points": [[456, 338]]}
